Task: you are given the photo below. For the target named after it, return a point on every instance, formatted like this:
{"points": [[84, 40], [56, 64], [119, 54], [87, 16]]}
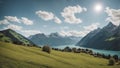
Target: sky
{"points": [[67, 17]]}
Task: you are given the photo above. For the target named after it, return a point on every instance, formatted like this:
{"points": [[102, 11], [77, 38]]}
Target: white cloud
{"points": [[26, 21], [4, 22], [73, 33], [91, 27], [12, 19], [69, 14], [30, 32], [20, 29], [113, 15], [14, 27], [85, 9], [48, 16], [45, 15], [82, 33], [57, 20]]}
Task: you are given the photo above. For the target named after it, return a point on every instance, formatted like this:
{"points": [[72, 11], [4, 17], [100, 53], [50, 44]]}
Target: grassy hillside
{"points": [[14, 56], [10, 35]]}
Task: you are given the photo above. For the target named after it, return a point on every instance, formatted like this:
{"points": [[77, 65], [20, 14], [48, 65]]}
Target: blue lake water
{"points": [[106, 52]]}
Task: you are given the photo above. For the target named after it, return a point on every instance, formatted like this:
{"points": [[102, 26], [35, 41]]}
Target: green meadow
{"points": [[16, 56]]}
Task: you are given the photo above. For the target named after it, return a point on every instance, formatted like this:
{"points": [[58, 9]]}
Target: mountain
{"points": [[11, 36], [106, 38], [115, 39], [53, 39], [85, 40]]}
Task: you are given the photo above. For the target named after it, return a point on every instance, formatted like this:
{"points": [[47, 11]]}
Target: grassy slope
{"points": [[15, 56], [4, 38]]}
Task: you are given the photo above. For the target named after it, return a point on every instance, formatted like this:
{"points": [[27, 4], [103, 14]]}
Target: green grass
{"points": [[4, 38], [16, 56], [111, 39], [19, 37]]}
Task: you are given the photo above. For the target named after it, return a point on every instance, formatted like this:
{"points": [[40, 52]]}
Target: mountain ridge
{"points": [[53, 39], [101, 39], [12, 36]]}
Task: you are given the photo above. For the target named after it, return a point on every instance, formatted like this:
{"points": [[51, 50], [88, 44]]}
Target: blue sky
{"points": [[67, 17]]}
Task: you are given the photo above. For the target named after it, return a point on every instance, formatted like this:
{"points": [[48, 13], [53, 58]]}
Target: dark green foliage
{"points": [[99, 55], [106, 56], [111, 61], [116, 58], [74, 50], [46, 49], [55, 49], [86, 50], [109, 56], [67, 49], [90, 52], [103, 56], [78, 50]]}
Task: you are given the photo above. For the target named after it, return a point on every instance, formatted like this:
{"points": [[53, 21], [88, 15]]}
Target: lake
{"points": [[106, 52]]}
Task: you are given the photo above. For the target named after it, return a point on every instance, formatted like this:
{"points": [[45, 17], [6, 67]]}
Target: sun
{"points": [[98, 7]]}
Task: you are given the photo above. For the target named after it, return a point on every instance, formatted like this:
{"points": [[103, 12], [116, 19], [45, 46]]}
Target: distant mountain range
{"points": [[107, 38], [54, 39], [11, 36]]}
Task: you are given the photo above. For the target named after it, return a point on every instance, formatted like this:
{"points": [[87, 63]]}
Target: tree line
{"points": [[112, 60]]}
